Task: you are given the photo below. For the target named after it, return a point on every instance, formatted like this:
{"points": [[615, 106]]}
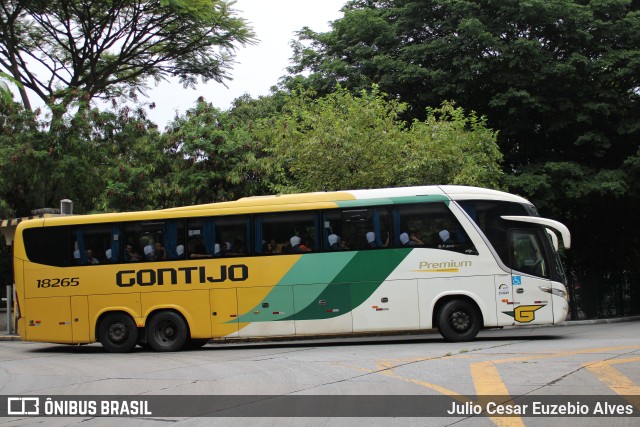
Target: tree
{"points": [[73, 51], [129, 155], [6, 97], [212, 158], [559, 79], [103, 161], [342, 141]]}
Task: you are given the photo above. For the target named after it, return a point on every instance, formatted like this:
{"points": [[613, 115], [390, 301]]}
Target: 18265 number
{"points": [[58, 283]]}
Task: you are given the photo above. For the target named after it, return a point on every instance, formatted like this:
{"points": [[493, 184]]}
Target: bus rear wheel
{"points": [[118, 333], [459, 320], [166, 331]]}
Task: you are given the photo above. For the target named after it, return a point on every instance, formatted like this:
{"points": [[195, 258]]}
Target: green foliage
{"points": [[343, 141], [25, 162], [212, 158], [74, 160], [87, 49], [449, 147], [558, 78], [332, 143], [128, 155]]}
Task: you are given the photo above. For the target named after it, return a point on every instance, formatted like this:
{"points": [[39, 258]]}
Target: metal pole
{"points": [[9, 308]]}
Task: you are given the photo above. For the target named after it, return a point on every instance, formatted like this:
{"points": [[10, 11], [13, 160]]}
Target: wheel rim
{"points": [[166, 331], [118, 332], [460, 321]]}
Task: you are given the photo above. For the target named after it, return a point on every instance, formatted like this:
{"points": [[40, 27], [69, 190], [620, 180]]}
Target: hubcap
{"points": [[167, 331], [118, 332], [460, 321]]}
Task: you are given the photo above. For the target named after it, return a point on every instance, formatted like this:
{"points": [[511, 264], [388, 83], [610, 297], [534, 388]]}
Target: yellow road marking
{"points": [[487, 379], [485, 384], [488, 382], [616, 380], [387, 368]]}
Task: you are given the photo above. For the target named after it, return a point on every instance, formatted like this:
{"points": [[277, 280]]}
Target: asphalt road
{"points": [[601, 360]]}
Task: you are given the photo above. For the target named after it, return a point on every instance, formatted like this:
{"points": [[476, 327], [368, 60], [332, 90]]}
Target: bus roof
{"points": [[300, 201], [454, 192]]}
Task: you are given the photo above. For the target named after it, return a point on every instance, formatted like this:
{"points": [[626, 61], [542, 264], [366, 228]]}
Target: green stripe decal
{"points": [[402, 200], [365, 203], [311, 275], [317, 268], [420, 199], [352, 286]]}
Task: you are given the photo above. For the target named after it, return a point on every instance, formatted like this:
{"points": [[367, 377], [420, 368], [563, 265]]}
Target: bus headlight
{"points": [[557, 292]]}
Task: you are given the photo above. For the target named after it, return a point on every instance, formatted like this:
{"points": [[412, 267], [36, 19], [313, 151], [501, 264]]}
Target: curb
{"points": [[567, 323], [579, 322]]}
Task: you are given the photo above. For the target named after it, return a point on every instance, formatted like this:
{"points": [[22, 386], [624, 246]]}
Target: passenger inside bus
{"points": [[372, 243], [410, 240], [334, 242], [130, 255], [90, 258], [446, 240], [180, 251], [148, 250], [159, 252]]}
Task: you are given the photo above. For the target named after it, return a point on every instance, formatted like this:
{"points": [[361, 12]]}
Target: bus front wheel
{"points": [[118, 333], [166, 331], [459, 320]]}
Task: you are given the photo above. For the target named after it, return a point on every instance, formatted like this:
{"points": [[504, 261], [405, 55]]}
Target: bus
{"points": [[454, 258]]}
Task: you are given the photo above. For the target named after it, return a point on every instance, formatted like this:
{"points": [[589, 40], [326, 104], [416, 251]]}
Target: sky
{"points": [[258, 67]]}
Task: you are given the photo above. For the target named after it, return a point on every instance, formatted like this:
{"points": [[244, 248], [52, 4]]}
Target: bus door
{"points": [[49, 319], [529, 275], [80, 318], [224, 312]]}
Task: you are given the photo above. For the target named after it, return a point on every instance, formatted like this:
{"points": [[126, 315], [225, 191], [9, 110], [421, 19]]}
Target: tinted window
{"points": [[528, 254], [92, 244], [487, 215], [430, 225], [355, 229], [157, 240], [286, 233], [50, 245], [218, 236]]}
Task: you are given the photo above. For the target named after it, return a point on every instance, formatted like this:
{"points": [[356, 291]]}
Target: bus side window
{"points": [[173, 239], [201, 238], [355, 229], [430, 225], [93, 244], [287, 233], [232, 234], [49, 245], [142, 238]]}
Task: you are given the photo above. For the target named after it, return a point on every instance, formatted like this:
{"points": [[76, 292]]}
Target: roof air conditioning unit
{"points": [[66, 207]]}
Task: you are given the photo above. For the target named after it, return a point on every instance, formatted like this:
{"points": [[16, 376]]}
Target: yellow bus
{"points": [[330, 263]]}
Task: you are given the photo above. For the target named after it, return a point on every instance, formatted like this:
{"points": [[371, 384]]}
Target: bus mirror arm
{"points": [[555, 225], [554, 238]]}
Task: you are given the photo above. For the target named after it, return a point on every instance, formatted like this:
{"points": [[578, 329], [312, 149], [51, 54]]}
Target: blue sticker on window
{"points": [[516, 280]]}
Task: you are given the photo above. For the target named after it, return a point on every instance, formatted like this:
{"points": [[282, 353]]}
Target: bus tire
{"points": [[166, 331], [459, 320], [117, 332]]}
